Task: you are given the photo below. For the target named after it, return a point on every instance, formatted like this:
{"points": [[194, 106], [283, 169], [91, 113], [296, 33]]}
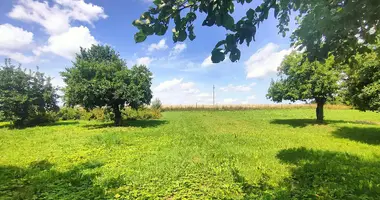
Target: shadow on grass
{"points": [[330, 175], [318, 174], [369, 135], [40, 181], [129, 123], [300, 123], [58, 123]]}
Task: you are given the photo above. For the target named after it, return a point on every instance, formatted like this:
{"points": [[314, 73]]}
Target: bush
{"points": [[84, 114], [38, 118], [68, 113], [156, 104], [142, 113], [106, 114]]}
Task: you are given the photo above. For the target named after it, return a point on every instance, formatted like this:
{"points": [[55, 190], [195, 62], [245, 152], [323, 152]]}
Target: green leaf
{"points": [[157, 2], [191, 32], [229, 22], [160, 29], [220, 43], [209, 21], [235, 55], [137, 23], [276, 10], [140, 37], [250, 14], [147, 30], [217, 55], [182, 35], [191, 16]]}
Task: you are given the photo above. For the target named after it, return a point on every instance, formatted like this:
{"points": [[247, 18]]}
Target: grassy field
{"points": [[257, 154]]}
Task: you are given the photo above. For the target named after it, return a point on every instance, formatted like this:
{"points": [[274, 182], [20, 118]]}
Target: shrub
{"points": [[98, 113], [142, 113], [106, 114], [85, 114], [68, 113], [156, 104], [38, 118]]}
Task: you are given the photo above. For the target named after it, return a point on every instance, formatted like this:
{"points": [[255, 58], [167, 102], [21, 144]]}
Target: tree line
{"points": [[98, 77]]}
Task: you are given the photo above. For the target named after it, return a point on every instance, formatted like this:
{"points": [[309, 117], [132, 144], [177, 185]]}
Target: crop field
{"points": [[245, 154]]}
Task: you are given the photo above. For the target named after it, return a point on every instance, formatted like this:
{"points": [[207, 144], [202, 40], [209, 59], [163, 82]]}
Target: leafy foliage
{"points": [[26, 97], [320, 29], [363, 82], [303, 80], [99, 77]]}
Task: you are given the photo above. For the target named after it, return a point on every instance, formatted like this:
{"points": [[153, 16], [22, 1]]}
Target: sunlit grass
{"points": [[267, 153]]}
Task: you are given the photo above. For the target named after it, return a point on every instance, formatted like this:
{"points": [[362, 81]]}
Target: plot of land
{"points": [[197, 154]]}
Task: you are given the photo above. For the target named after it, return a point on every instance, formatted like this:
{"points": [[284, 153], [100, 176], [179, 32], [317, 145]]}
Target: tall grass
{"points": [[248, 107]]}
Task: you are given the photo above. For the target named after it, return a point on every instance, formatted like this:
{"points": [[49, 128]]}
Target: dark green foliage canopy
{"points": [[25, 96], [324, 27], [363, 82], [99, 77], [304, 80]]}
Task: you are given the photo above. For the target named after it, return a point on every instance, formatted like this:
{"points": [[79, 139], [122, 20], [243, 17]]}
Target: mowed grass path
{"points": [[257, 154]]}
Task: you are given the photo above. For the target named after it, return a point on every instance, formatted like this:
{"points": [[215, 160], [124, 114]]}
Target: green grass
{"points": [[258, 154]]}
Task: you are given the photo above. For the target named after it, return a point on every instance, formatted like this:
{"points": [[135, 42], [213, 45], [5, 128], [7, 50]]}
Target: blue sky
{"points": [[47, 34]]}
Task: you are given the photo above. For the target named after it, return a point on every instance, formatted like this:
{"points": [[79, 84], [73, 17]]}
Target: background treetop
{"points": [[324, 27]]}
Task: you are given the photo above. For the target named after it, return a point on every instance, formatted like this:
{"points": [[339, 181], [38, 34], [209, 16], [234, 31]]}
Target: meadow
{"points": [[245, 154]]}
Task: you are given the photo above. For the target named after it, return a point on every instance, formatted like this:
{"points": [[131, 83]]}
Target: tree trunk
{"points": [[116, 111], [319, 111]]}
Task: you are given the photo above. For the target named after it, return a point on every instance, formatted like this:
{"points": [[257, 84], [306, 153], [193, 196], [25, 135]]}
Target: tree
{"points": [[324, 27], [363, 82], [99, 77], [303, 80], [25, 97]]}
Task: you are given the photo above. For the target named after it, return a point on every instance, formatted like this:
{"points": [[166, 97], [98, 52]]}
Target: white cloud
{"points": [[158, 46], [207, 62], [237, 88], [67, 44], [56, 18], [178, 48], [17, 56], [144, 61], [265, 61], [82, 11], [167, 85], [176, 91], [230, 100], [14, 38]]}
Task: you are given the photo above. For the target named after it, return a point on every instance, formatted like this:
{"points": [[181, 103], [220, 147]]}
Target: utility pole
{"points": [[213, 95]]}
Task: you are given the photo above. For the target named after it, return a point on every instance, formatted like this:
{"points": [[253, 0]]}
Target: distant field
{"points": [[248, 107], [251, 154]]}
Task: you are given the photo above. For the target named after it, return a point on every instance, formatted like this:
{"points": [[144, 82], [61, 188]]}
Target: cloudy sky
{"points": [[47, 34]]}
